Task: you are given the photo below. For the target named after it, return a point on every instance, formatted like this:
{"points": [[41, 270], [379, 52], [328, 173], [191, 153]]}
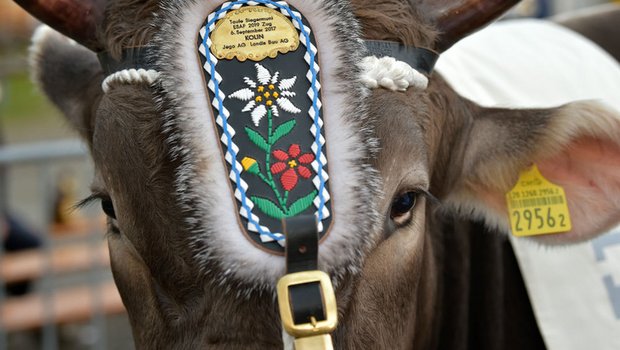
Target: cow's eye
{"points": [[401, 207], [108, 207]]}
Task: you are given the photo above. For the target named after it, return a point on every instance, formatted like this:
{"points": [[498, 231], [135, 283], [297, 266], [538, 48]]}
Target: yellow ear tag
{"points": [[536, 206]]}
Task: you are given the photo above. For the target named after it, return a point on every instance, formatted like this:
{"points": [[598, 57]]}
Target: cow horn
{"points": [[77, 19], [456, 19]]}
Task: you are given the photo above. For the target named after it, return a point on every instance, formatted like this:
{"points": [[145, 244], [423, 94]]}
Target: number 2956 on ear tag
{"points": [[537, 206]]}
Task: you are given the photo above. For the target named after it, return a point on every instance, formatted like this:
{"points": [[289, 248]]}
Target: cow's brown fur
{"points": [[128, 24], [409, 294], [394, 20]]}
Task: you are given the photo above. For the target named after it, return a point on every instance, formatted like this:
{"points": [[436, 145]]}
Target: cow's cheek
{"points": [[398, 259], [391, 275], [134, 284]]}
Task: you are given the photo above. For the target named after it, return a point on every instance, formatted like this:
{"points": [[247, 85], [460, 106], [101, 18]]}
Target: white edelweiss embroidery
{"points": [[261, 95]]}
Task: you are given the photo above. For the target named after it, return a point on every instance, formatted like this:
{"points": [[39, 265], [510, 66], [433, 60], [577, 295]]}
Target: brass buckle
{"points": [[329, 304]]}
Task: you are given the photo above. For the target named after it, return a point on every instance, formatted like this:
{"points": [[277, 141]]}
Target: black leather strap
{"points": [[302, 243], [306, 301], [132, 58], [302, 246], [419, 58]]}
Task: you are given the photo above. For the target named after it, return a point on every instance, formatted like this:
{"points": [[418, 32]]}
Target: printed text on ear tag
{"points": [[536, 206]]}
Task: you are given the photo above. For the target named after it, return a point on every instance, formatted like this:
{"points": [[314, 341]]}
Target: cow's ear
{"points": [[69, 74], [576, 146]]}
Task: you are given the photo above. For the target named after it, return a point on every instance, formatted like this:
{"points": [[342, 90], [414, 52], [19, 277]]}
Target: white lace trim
{"points": [[390, 73], [129, 76]]}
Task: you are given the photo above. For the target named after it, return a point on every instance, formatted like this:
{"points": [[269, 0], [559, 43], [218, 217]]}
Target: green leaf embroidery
{"points": [[282, 130], [268, 207], [301, 204], [257, 139]]}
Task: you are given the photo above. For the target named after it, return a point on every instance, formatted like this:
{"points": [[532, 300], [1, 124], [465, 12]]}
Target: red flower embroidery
{"points": [[289, 163]]}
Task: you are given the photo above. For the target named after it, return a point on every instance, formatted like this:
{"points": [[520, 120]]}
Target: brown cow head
{"points": [[189, 278]]}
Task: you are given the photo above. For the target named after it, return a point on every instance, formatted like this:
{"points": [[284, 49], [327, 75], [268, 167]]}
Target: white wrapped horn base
{"points": [[391, 74], [129, 76]]}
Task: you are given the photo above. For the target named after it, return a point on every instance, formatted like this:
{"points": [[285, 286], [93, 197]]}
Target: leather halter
{"points": [[419, 58]]}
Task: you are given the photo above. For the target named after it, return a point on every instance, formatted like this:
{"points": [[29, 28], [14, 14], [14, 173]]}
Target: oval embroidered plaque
{"points": [[268, 114], [253, 32]]}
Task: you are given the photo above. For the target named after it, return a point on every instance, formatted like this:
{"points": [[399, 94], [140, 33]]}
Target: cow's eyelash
{"points": [[90, 200], [430, 197], [96, 197]]}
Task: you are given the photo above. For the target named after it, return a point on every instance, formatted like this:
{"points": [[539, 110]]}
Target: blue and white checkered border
{"points": [[314, 112]]}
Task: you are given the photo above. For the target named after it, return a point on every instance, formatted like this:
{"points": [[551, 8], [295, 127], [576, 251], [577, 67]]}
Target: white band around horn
{"points": [[130, 76], [390, 73]]}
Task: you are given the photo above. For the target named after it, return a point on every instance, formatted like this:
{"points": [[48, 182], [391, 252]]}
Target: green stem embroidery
{"points": [[270, 181], [272, 185]]}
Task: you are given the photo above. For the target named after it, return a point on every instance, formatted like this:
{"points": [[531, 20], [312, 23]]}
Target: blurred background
{"points": [[56, 289]]}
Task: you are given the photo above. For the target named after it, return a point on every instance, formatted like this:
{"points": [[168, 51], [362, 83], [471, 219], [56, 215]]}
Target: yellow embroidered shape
{"points": [[537, 206]]}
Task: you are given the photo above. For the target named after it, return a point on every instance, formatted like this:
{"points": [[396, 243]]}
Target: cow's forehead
{"points": [[226, 136], [404, 129]]}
